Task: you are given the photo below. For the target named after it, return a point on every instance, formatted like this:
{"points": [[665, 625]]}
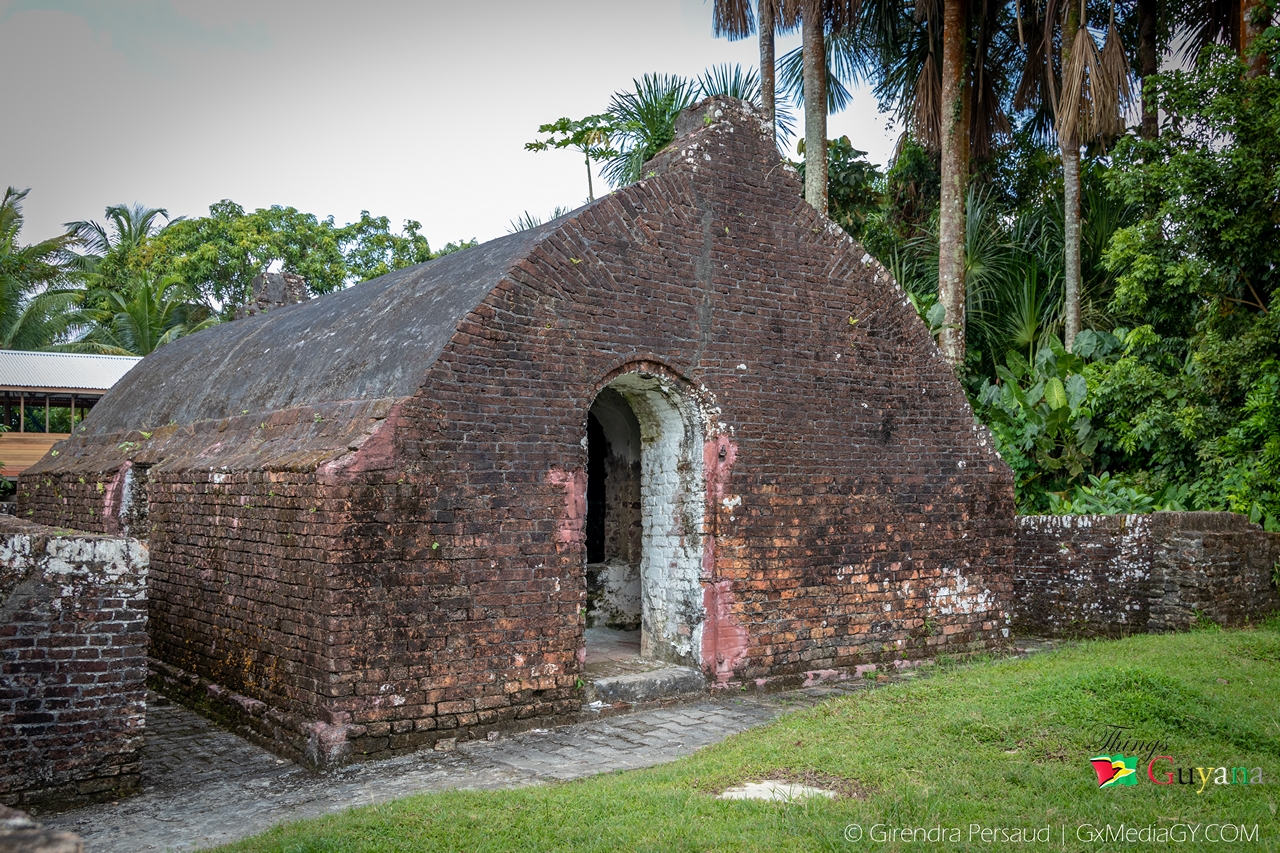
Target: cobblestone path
{"points": [[204, 786]]}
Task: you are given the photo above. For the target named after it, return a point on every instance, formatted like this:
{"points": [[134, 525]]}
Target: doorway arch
{"points": [[646, 503]]}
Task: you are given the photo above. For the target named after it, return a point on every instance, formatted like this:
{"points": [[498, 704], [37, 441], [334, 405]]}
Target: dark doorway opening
{"points": [[614, 525]]}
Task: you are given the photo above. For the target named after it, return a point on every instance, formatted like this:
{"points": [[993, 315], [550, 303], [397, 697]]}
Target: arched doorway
{"points": [[646, 500]]}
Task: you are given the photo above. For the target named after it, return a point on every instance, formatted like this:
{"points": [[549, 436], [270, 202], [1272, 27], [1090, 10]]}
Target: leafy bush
{"points": [[1102, 496], [1042, 425]]}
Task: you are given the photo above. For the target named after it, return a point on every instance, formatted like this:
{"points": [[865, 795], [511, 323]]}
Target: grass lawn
{"points": [[994, 744]]}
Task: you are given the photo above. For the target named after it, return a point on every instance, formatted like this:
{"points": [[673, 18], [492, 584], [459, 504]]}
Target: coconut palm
{"points": [[38, 283], [125, 230], [147, 313]]}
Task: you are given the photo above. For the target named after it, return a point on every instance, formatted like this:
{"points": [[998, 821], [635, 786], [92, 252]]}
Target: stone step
{"points": [[661, 683]]}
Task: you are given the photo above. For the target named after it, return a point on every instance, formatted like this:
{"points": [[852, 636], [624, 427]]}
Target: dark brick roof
{"points": [[370, 341]]}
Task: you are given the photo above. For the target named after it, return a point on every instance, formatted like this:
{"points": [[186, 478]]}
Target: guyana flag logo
{"points": [[1115, 770]]}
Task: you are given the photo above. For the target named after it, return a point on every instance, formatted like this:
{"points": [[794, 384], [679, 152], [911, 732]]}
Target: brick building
{"points": [[694, 408]]}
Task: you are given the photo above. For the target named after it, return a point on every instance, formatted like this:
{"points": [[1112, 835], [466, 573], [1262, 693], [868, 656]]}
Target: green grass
{"points": [[998, 744]]}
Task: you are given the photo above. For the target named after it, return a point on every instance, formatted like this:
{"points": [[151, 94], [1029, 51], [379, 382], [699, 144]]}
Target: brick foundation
{"points": [[73, 647], [1113, 575]]}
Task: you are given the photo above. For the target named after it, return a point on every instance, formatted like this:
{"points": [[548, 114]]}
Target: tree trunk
{"points": [[813, 52], [1148, 65], [768, 87], [591, 192], [955, 174], [1070, 147], [1250, 29]]}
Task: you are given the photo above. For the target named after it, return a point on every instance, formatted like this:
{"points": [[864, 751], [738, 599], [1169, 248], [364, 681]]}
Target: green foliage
{"points": [[1207, 191], [39, 283], [646, 122], [591, 136], [1101, 496], [527, 220], [140, 317], [1190, 403], [371, 249], [853, 186], [219, 255], [1039, 416], [734, 81], [643, 121]]}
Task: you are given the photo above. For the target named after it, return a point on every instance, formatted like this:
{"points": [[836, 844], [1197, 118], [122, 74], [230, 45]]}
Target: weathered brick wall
{"points": [[73, 648], [1214, 565], [857, 516], [1125, 574], [381, 574]]}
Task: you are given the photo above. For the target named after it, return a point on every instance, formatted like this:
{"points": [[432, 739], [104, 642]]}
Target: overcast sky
{"points": [[412, 110]]}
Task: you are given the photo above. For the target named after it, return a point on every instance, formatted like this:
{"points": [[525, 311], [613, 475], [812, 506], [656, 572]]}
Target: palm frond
{"points": [[646, 120], [1206, 22], [734, 19], [1116, 81], [527, 220], [1080, 115], [734, 81]]}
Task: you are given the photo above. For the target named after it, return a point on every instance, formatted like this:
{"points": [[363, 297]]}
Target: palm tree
{"points": [[816, 18], [37, 282], [1088, 105], [127, 228], [646, 120], [734, 19], [951, 102], [137, 319], [954, 107]]}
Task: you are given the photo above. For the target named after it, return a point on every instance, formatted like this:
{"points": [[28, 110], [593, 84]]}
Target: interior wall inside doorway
{"points": [[614, 520]]}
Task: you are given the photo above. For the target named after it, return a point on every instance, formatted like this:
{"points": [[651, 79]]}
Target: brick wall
{"points": [[73, 648], [379, 574], [1129, 574]]}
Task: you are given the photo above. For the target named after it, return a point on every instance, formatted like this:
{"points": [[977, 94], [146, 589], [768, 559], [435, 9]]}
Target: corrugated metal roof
{"points": [[56, 370]]}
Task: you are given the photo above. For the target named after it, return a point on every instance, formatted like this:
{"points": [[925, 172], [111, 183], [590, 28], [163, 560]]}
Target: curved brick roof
{"points": [[370, 341]]}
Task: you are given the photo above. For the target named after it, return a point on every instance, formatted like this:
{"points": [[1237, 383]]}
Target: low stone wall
{"points": [[73, 646], [1100, 575]]}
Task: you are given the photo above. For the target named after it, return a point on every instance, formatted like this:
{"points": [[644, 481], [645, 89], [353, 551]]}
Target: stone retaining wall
{"points": [[73, 645], [1099, 575]]}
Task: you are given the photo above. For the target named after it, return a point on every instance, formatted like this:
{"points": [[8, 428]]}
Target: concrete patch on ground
{"points": [[784, 792]]}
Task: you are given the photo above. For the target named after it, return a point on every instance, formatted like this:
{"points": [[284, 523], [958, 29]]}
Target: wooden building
{"points": [[43, 394]]}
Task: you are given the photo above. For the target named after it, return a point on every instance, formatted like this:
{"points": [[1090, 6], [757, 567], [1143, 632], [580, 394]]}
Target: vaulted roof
{"points": [[373, 340]]}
